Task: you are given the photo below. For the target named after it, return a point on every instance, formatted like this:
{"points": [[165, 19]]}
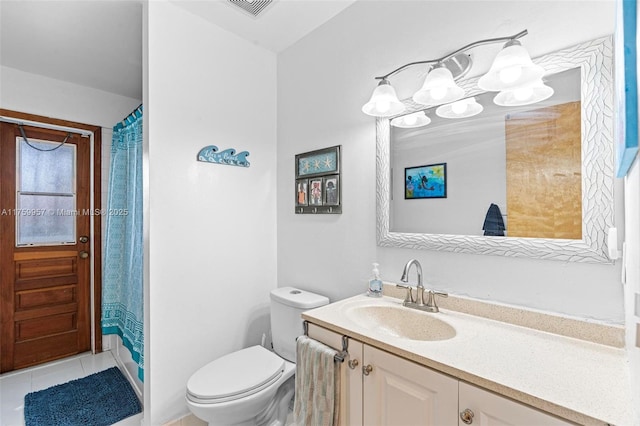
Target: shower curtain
{"points": [[122, 286]]}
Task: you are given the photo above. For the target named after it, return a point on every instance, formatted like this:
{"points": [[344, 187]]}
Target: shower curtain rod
{"points": [[136, 113], [24, 122]]}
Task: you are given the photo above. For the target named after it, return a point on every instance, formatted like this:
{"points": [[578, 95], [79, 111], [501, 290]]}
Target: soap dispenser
{"points": [[375, 284]]}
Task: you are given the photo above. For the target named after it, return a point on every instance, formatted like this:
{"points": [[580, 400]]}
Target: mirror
{"points": [[581, 76], [518, 158]]}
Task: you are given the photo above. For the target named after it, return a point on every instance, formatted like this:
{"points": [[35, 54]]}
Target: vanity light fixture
{"points": [[536, 92], [409, 121], [384, 102], [460, 109], [439, 87], [511, 70]]}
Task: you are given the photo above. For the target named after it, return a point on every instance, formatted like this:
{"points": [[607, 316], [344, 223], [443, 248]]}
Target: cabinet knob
{"points": [[366, 369], [466, 416], [353, 363]]}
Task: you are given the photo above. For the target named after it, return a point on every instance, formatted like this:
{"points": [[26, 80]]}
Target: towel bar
{"points": [[340, 356]]}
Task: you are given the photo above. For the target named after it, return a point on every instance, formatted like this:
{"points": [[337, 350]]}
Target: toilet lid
{"points": [[236, 374]]}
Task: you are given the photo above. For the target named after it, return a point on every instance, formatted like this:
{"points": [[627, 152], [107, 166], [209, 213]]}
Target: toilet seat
{"points": [[235, 376]]}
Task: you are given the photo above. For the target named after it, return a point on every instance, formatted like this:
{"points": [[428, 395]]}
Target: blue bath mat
{"points": [[100, 399]]}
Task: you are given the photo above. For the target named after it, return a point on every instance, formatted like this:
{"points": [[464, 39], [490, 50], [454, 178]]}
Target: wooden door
{"points": [[398, 392], [490, 409], [544, 172], [45, 222]]}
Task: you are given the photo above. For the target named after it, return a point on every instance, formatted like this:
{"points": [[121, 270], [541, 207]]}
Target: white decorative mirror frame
{"points": [[595, 59]]}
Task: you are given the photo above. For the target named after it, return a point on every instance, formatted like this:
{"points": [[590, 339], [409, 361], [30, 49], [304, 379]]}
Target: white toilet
{"points": [[254, 386]]}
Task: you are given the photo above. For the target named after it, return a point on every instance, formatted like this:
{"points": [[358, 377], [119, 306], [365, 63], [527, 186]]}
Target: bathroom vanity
{"points": [[498, 364]]}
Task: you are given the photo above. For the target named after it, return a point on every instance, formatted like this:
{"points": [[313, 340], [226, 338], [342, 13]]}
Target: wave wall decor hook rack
{"points": [[211, 154]]}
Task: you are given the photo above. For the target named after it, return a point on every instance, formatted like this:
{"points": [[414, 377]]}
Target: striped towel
{"points": [[317, 384]]}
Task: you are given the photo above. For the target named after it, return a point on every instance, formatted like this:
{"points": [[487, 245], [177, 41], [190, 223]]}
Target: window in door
{"points": [[46, 193]]}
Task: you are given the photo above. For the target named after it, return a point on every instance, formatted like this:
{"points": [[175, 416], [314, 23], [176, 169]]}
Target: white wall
{"points": [[324, 80], [632, 287], [211, 228], [36, 94], [631, 253]]}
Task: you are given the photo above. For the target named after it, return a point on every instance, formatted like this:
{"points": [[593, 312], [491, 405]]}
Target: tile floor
{"points": [[16, 384]]}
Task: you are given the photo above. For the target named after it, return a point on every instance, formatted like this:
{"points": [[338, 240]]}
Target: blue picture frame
{"points": [[429, 181], [626, 86]]}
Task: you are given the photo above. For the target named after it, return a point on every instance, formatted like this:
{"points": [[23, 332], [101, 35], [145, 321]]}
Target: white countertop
{"points": [[584, 382]]}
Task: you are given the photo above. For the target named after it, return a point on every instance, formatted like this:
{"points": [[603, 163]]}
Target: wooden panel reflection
{"points": [[544, 179]]}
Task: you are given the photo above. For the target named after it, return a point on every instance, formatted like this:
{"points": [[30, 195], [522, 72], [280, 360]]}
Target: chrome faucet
{"points": [[420, 288], [418, 303]]}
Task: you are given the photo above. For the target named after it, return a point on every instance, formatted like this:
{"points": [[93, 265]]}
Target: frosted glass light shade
{"points": [[384, 101], [510, 69], [417, 119], [460, 109], [527, 95], [438, 88]]}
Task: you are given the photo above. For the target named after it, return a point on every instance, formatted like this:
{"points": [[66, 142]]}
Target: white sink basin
{"points": [[401, 322]]}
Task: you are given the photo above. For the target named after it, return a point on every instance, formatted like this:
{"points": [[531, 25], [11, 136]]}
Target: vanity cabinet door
{"points": [[399, 392], [350, 375], [490, 409], [351, 386]]}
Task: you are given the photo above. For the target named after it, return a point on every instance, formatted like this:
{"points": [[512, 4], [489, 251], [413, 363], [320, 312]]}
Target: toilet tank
{"points": [[287, 304]]}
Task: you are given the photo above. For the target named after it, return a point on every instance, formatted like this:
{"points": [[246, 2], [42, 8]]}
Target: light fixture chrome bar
{"points": [[450, 55]]}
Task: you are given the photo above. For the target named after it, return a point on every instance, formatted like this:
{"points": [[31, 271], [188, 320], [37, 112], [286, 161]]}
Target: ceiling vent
{"points": [[253, 7]]}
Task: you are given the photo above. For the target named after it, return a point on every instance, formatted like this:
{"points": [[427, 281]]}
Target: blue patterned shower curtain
{"points": [[122, 286]]}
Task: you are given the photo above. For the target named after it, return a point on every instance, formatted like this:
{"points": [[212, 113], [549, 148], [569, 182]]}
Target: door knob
{"points": [[84, 254], [366, 369], [466, 416]]}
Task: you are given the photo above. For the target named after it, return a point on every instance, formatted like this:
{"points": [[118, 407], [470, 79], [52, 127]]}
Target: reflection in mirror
{"points": [[511, 171], [593, 61]]}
